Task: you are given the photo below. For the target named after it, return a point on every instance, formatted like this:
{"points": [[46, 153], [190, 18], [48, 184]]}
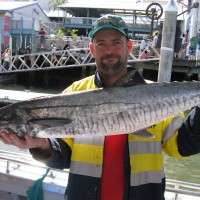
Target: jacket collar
{"points": [[135, 79]]}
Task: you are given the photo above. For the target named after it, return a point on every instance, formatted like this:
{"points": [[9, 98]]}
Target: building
{"points": [[134, 13], [20, 22]]}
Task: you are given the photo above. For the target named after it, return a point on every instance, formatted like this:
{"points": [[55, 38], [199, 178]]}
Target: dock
{"points": [[81, 59], [189, 68], [13, 96]]}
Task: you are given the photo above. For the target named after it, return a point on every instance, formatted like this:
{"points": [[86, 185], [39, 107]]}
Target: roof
{"points": [[55, 13], [137, 5], [111, 4], [14, 5]]}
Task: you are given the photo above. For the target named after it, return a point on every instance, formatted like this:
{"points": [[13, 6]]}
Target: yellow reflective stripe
{"points": [[135, 138], [87, 153], [85, 169], [69, 141], [146, 162], [170, 146]]}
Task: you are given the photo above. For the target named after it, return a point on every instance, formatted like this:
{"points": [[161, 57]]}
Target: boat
{"points": [[19, 171]]}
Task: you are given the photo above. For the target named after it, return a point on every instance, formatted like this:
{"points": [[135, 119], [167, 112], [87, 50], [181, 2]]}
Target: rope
{"points": [[35, 192]]}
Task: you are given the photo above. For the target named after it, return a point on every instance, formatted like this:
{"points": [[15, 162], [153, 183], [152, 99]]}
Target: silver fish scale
{"points": [[101, 112], [134, 116]]}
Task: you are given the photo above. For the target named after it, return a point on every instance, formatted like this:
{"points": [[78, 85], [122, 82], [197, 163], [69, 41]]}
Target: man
{"points": [[118, 167], [143, 46], [42, 34], [155, 40]]}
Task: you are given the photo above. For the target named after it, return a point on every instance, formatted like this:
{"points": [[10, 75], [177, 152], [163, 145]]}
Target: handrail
{"points": [[175, 186], [78, 57], [27, 160], [182, 187], [19, 174]]}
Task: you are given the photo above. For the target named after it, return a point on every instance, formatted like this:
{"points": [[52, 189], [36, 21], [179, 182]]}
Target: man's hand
{"points": [[26, 142], [193, 121], [189, 134]]}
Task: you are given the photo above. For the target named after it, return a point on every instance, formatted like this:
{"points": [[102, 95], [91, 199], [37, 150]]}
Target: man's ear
{"points": [[130, 45], [92, 49]]}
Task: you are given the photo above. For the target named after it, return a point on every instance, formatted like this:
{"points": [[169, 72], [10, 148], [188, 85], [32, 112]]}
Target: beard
{"points": [[111, 65]]}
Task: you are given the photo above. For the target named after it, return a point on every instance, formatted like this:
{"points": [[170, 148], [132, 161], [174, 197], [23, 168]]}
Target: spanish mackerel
{"points": [[108, 111]]}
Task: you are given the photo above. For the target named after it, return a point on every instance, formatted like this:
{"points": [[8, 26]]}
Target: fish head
{"points": [[11, 121]]}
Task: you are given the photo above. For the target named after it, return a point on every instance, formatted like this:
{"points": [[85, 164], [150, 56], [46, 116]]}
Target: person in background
{"points": [[198, 46], [27, 57], [42, 33], [6, 59], [54, 59], [155, 40], [143, 45], [182, 52], [67, 46], [116, 167], [145, 54]]}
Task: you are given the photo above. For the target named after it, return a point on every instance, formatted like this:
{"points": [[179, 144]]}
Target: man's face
{"points": [[110, 50]]}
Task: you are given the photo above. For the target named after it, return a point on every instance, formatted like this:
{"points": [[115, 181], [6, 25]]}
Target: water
{"points": [[186, 169]]}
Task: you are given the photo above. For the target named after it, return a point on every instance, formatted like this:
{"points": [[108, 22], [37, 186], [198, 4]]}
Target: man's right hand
{"points": [[26, 142]]}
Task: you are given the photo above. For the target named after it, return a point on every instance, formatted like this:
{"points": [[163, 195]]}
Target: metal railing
{"points": [[19, 174], [182, 187], [78, 57], [13, 162]]}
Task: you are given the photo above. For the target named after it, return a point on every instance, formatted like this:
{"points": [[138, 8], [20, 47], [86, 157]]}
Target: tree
{"points": [[56, 3]]}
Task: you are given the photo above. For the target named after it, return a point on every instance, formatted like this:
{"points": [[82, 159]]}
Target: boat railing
{"points": [[24, 166], [182, 187], [18, 171], [21, 159]]}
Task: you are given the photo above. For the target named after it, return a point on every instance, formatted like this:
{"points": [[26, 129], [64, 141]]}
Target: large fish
{"points": [[114, 110]]}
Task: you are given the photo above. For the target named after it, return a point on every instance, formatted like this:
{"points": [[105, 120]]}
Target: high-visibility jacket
{"points": [[144, 170], [145, 154]]}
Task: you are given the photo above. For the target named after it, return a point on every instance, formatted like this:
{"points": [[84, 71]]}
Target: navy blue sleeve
{"points": [[189, 134], [59, 157]]}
